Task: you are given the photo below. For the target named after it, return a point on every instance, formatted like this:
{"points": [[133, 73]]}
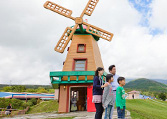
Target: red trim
{"points": [[81, 51], [67, 104], [73, 65]]}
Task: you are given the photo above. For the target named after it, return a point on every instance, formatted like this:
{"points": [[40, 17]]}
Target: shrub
{"points": [[42, 90], [16, 104], [34, 101], [162, 96], [7, 89], [31, 90]]}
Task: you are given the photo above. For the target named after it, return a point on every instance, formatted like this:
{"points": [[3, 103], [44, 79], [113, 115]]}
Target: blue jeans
{"points": [[113, 104], [121, 113], [108, 112]]}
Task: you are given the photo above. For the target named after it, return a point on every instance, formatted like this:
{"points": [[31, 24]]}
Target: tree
{"points": [[18, 88], [7, 88], [162, 96], [31, 90], [42, 90]]}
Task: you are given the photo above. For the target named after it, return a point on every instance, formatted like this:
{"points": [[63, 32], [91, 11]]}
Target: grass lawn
{"points": [[45, 106], [147, 109]]}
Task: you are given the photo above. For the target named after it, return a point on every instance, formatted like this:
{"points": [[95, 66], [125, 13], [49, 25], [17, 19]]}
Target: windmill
{"points": [[82, 59], [68, 33]]}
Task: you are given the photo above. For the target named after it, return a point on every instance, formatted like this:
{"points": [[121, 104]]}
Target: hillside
{"points": [[28, 86], [147, 109], [160, 80], [45, 106], [164, 81], [146, 85]]}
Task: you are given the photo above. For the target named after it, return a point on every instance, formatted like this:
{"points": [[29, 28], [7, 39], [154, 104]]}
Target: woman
{"points": [[98, 92]]}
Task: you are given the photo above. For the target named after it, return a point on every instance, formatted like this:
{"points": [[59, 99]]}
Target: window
{"points": [[80, 65], [81, 48]]}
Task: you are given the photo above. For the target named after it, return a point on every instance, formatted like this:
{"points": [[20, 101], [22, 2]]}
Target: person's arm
{"points": [[105, 85], [119, 97], [105, 94], [95, 83]]}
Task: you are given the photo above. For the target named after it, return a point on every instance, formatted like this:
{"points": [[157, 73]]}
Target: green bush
{"points": [[18, 88], [25, 104], [7, 89], [42, 90], [34, 101], [29, 103], [16, 104], [51, 90], [162, 96], [31, 90], [4, 102]]}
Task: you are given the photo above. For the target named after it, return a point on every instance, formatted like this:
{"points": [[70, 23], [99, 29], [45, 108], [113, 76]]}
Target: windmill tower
{"points": [[76, 79]]}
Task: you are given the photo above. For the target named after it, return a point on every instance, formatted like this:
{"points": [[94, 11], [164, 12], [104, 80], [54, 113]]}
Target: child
{"points": [[120, 98], [108, 96]]}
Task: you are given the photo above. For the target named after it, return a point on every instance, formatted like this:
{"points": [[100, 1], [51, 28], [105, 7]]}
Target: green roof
{"points": [[58, 75]]}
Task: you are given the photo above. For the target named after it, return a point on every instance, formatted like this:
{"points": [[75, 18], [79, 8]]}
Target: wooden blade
{"points": [[98, 32], [65, 38], [90, 7], [58, 9]]}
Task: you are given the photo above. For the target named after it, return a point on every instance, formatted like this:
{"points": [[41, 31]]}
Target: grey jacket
{"points": [[108, 96]]}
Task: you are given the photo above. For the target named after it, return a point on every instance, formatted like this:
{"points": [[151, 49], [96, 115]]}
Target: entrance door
{"points": [[90, 105], [78, 99]]}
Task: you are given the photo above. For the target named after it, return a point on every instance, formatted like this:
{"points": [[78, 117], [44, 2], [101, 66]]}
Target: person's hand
{"points": [[102, 86]]}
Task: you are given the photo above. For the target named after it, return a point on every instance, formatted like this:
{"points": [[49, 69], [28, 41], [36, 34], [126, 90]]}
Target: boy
{"points": [[108, 96], [120, 98]]}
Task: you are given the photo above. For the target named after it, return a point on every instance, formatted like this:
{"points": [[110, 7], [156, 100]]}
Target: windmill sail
{"points": [[65, 38], [98, 32], [90, 7], [68, 33], [58, 9]]}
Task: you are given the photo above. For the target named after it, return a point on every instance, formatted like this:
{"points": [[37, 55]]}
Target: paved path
{"points": [[77, 115]]}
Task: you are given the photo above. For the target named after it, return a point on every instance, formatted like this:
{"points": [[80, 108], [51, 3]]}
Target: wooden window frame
{"points": [[86, 62], [81, 51]]}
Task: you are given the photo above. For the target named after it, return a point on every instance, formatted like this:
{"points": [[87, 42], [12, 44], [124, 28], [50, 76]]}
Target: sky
{"points": [[29, 33]]}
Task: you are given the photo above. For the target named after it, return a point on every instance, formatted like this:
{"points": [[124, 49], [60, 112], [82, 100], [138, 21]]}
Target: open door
{"points": [[78, 99], [90, 105]]}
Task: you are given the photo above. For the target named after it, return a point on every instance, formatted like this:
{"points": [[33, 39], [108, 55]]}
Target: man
{"points": [[8, 110], [114, 84]]}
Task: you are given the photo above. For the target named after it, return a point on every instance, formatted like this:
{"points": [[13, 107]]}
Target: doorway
{"points": [[78, 99]]}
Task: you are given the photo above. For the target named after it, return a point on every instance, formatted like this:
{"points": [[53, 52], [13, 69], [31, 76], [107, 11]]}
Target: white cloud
{"points": [[29, 33], [159, 16]]}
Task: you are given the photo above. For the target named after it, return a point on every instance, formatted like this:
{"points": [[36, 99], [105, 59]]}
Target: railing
{"points": [[26, 95], [13, 111], [60, 74]]}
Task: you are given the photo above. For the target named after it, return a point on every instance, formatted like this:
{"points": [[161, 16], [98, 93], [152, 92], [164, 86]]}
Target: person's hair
{"points": [[111, 67], [108, 77], [97, 71], [120, 79]]}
